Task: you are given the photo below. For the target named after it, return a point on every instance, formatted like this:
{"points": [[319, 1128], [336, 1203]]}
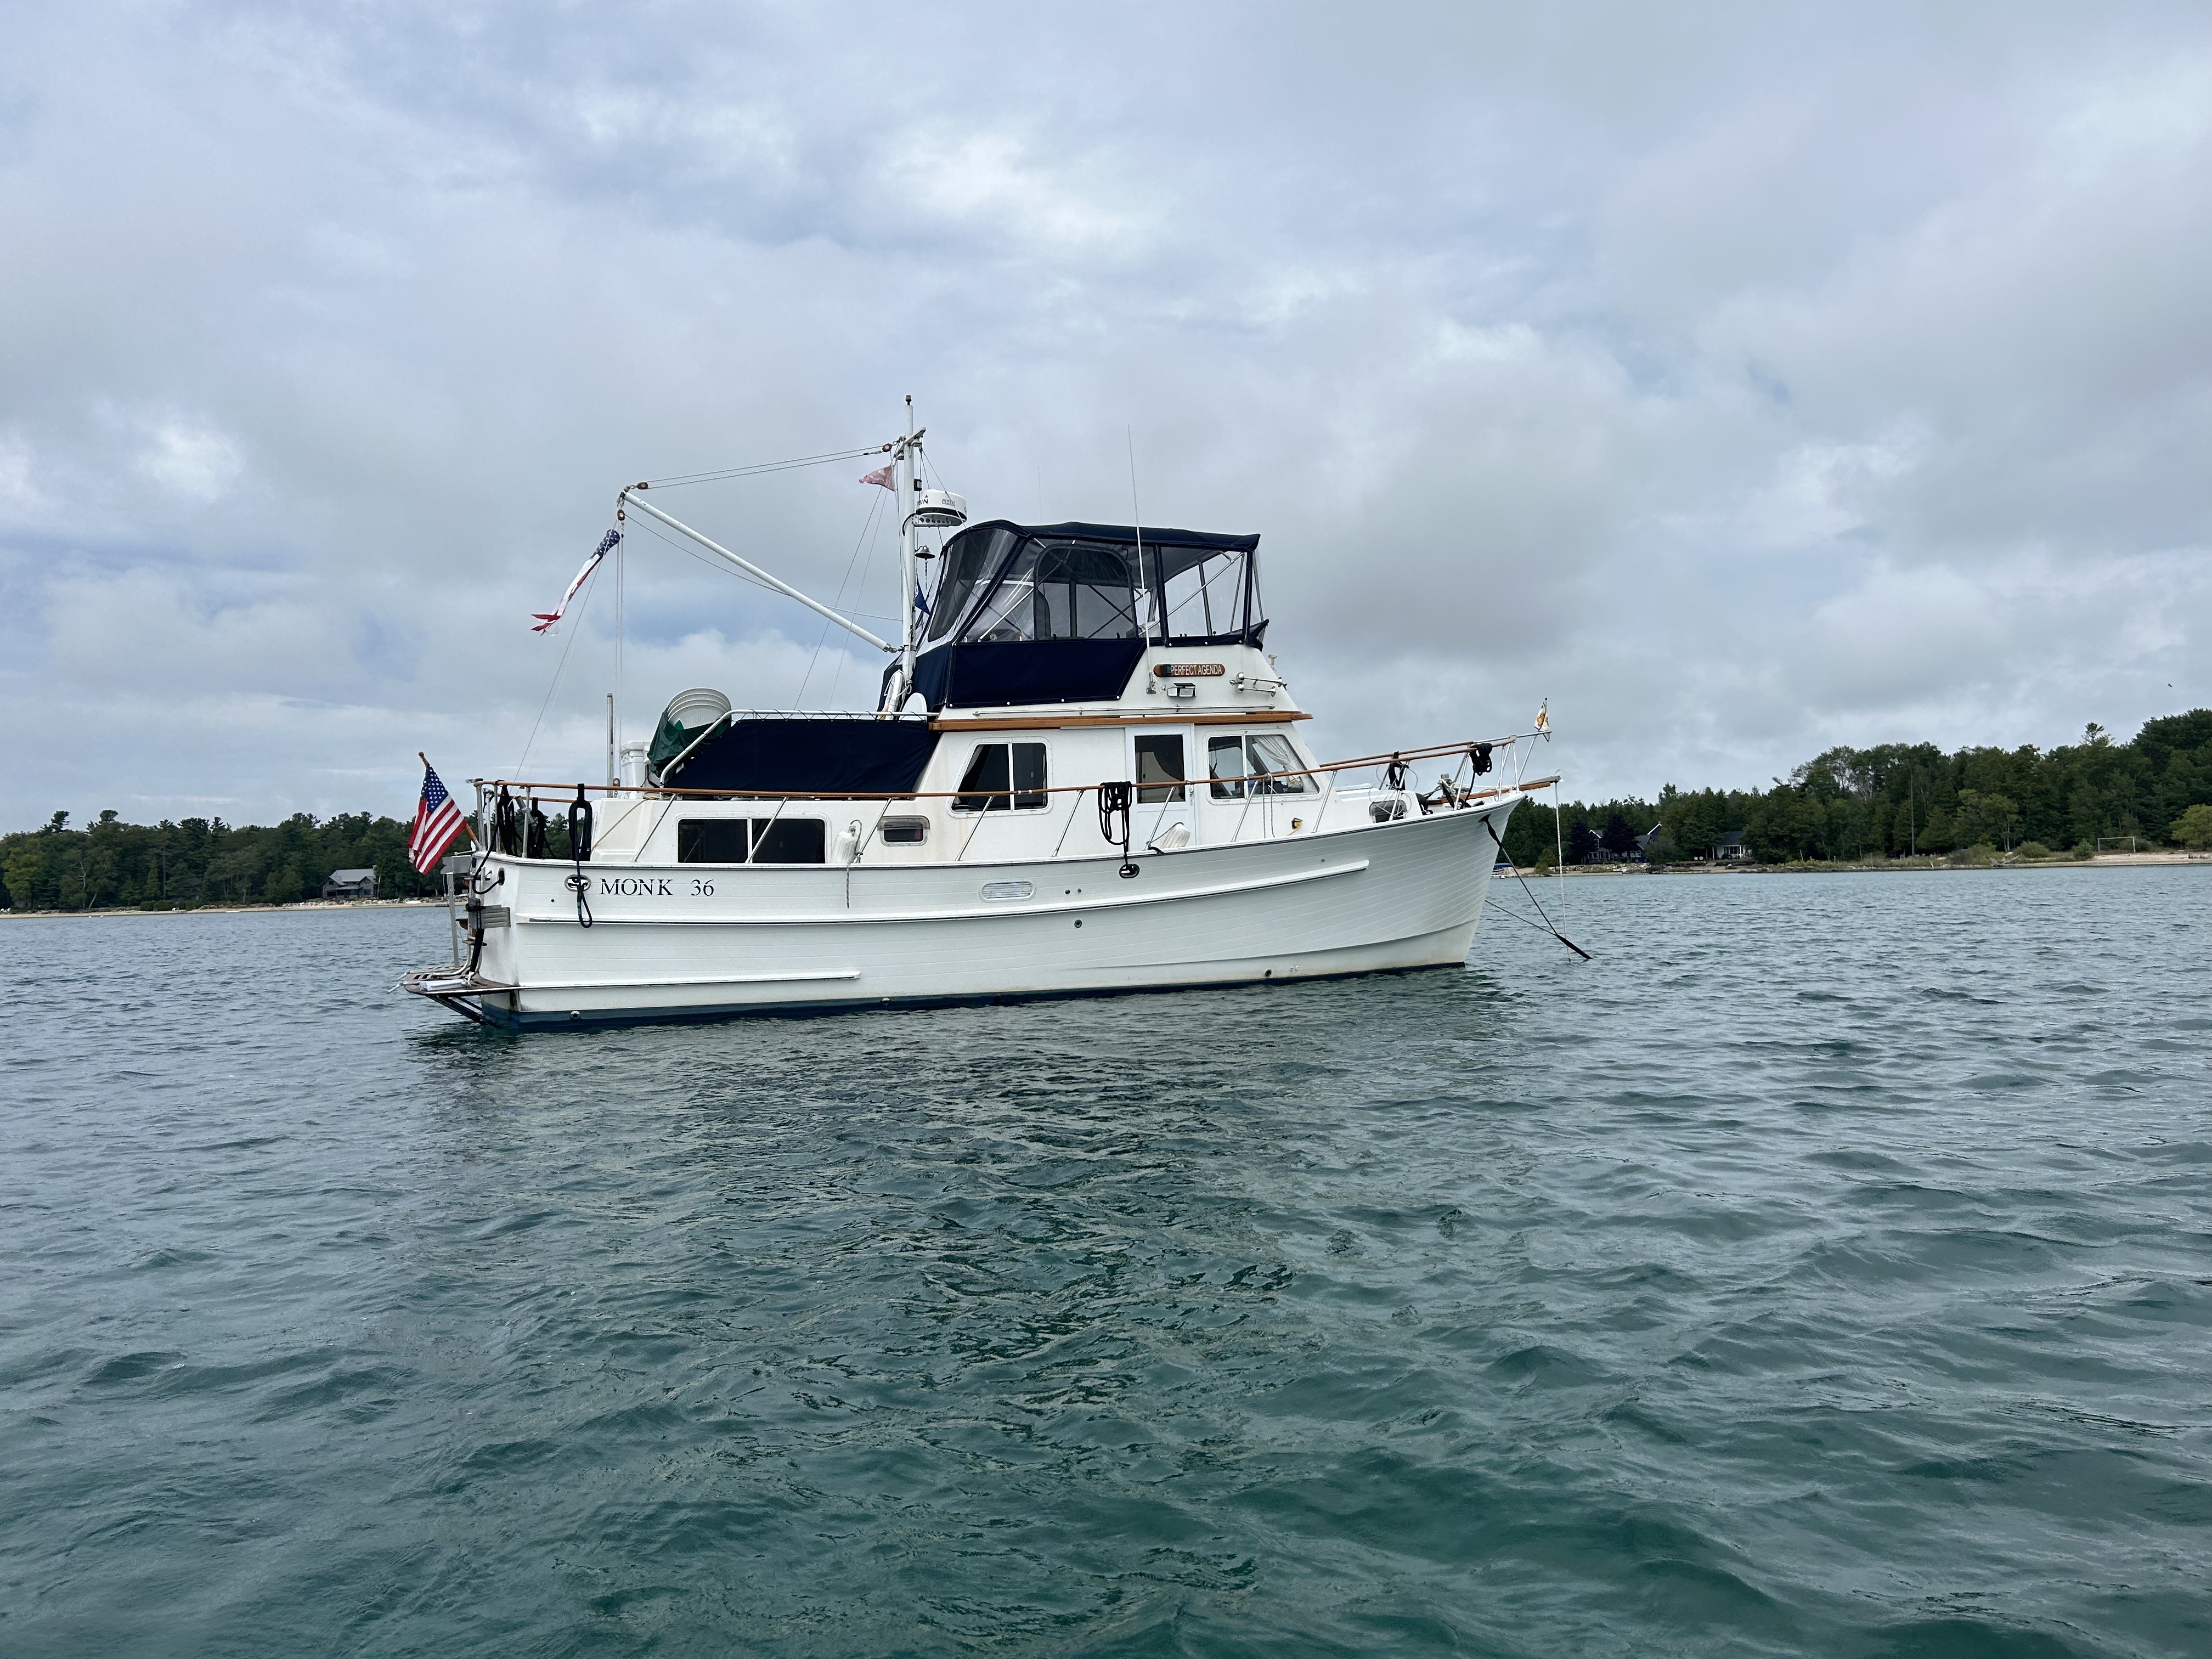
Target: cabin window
{"points": [[754, 841], [1271, 752], [1002, 776], [905, 832], [1159, 768], [714, 840], [788, 841], [1225, 764], [1229, 760]]}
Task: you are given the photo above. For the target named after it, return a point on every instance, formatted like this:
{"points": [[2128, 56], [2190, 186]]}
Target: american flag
{"points": [[437, 823]]}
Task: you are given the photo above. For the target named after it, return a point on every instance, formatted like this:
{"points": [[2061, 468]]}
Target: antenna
{"points": [[1137, 522]]}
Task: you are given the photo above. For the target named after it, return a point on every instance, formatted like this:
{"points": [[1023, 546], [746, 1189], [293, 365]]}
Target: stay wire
{"points": [[583, 602], [843, 582], [758, 467], [867, 564], [731, 570], [622, 574]]}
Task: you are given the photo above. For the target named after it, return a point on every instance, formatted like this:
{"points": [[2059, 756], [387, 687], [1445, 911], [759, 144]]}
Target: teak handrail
{"points": [[1433, 751]]}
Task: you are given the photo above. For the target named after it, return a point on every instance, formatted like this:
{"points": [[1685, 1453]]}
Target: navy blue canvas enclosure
{"points": [[995, 676], [1061, 613], [771, 755]]}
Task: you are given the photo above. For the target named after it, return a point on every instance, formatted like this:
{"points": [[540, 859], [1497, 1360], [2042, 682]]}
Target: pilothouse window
{"points": [[1271, 752], [1234, 763], [1003, 776]]}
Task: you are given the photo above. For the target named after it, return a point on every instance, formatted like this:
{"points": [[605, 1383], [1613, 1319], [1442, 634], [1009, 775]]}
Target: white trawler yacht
{"points": [[1084, 774]]}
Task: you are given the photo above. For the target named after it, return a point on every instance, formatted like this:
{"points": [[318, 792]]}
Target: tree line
{"points": [[197, 861], [1896, 799], [1846, 806]]}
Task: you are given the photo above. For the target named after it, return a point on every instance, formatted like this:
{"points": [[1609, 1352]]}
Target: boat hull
{"points": [[689, 942]]}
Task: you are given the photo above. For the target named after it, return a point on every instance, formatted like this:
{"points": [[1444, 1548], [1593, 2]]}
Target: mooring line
{"points": [[1548, 926]]}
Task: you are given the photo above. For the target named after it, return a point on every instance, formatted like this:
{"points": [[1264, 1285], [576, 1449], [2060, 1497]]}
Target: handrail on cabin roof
{"points": [[1433, 751]]}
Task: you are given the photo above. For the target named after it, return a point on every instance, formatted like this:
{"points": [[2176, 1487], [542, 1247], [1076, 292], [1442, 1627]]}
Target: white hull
{"points": [[684, 941]]}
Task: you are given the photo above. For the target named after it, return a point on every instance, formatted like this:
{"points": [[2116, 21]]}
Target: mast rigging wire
{"points": [[758, 467], [731, 570], [843, 582], [583, 603]]}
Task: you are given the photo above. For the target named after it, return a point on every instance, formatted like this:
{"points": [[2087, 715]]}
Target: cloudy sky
{"points": [[1744, 379]]}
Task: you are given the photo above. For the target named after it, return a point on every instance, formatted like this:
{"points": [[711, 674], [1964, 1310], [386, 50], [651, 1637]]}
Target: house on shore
{"points": [[1730, 848], [350, 884]]}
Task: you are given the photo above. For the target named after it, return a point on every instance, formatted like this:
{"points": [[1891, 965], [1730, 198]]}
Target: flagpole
{"points": [[467, 828]]}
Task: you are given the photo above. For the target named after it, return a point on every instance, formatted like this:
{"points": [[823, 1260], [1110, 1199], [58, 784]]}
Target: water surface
{"points": [[1826, 1268]]}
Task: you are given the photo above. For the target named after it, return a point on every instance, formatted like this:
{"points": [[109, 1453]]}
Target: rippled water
{"points": [[1826, 1268]]}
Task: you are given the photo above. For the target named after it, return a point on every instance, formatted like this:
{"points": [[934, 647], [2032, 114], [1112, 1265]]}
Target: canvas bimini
{"points": [[1084, 774]]}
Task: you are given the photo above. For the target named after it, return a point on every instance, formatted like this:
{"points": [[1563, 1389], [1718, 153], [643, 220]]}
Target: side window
{"points": [[1028, 776], [984, 784], [1159, 768], [768, 841], [1003, 776], [1260, 759], [788, 841], [1272, 752], [1225, 765], [905, 832], [712, 840]]}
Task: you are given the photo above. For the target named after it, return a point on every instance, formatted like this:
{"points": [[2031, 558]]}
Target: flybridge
{"points": [[1063, 613]]}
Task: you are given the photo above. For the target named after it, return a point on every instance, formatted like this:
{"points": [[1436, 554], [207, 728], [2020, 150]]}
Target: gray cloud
{"points": [[1744, 383]]}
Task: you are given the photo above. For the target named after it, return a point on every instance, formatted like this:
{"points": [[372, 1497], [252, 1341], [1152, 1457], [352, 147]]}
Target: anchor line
{"points": [[1547, 927]]}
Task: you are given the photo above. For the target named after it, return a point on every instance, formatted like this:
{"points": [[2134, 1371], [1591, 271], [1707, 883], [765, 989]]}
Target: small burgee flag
{"points": [[438, 822], [882, 476]]}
